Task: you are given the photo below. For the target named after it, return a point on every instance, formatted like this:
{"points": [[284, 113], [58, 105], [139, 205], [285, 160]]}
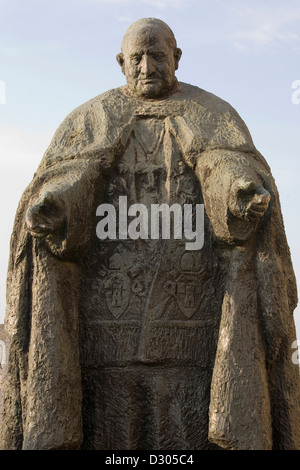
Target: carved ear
{"points": [[120, 60], [177, 55]]}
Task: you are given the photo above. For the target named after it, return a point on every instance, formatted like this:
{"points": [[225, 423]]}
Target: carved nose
{"points": [[147, 67]]}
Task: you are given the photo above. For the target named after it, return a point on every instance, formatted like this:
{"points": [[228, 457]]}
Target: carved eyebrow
{"points": [[157, 52], [136, 54], [150, 51]]}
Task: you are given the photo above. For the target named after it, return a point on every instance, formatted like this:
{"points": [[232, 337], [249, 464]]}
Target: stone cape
{"points": [[58, 364]]}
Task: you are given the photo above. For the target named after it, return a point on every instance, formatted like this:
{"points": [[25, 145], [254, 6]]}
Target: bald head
{"points": [[149, 58], [149, 27]]}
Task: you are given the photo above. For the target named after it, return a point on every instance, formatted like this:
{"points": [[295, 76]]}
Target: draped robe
{"points": [[141, 344]]}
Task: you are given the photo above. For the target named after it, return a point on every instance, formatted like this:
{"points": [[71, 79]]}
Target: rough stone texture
{"points": [[140, 343], [4, 353]]}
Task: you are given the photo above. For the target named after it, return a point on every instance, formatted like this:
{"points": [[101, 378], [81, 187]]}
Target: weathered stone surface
{"points": [[4, 353], [139, 343]]}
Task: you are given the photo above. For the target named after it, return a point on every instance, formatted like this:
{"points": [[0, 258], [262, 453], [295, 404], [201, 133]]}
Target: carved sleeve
{"points": [[222, 174]]}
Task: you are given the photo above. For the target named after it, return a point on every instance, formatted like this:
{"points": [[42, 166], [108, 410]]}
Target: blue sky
{"points": [[55, 55]]}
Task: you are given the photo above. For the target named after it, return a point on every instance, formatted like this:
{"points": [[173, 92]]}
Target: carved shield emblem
{"points": [[188, 295], [117, 288]]}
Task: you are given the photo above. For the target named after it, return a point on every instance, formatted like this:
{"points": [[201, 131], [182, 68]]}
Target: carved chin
{"points": [[153, 88]]}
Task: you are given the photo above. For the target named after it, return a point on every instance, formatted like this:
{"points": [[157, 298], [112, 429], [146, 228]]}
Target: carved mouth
{"points": [[150, 81]]}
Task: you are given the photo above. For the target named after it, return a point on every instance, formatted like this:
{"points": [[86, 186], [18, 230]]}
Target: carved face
{"points": [[149, 63]]}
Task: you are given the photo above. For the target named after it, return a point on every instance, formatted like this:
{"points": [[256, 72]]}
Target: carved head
{"points": [[149, 59]]}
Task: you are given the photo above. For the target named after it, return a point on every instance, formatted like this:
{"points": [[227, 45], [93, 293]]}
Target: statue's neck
{"points": [[128, 92]]}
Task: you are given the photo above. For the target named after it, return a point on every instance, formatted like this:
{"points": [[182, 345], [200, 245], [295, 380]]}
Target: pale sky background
{"points": [[57, 54]]}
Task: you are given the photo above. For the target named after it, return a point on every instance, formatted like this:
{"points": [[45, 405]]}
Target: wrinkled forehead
{"points": [[148, 37]]}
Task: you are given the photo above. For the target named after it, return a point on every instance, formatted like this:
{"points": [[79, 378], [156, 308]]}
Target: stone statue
{"points": [[136, 342]]}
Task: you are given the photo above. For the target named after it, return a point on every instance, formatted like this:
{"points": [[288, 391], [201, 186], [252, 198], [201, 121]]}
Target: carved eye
{"points": [[136, 59], [159, 57]]}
